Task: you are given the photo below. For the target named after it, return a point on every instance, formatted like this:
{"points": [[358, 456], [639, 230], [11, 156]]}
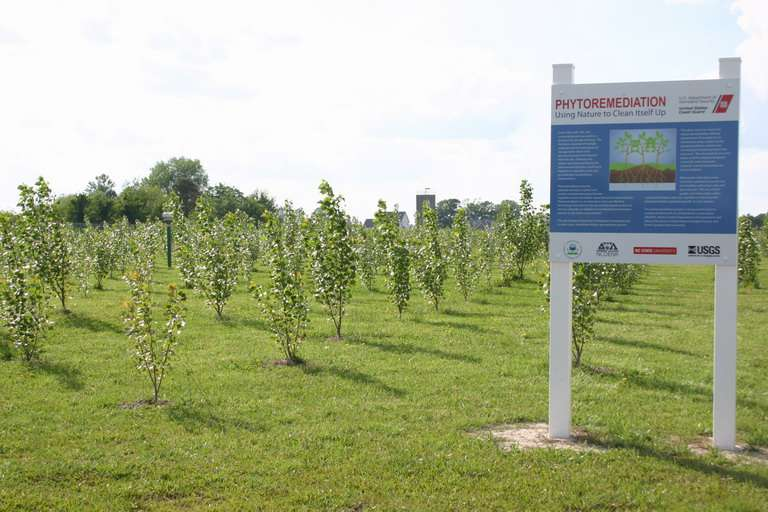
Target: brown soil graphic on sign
{"points": [[643, 174]]}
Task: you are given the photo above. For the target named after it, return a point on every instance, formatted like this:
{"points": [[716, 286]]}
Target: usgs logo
{"points": [[705, 251]]}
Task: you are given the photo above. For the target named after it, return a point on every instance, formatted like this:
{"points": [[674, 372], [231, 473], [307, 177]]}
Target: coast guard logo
{"points": [[722, 104]]}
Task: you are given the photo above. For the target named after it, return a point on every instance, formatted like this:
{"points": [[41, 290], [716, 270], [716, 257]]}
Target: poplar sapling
{"points": [[430, 264], [462, 255], [284, 302], [154, 346], [749, 254], [396, 257], [45, 239], [217, 263], [333, 256]]}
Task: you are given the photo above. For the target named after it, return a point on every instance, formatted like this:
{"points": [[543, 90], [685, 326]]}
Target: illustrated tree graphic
{"points": [[642, 145], [660, 145], [624, 145], [635, 146]]}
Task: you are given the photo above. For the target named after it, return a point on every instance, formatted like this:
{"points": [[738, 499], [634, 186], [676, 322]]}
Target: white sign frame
{"points": [[726, 293]]}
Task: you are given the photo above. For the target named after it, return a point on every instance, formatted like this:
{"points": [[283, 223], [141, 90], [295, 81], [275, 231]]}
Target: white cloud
{"points": [[753, 21], [382, 99], [754, 169]]}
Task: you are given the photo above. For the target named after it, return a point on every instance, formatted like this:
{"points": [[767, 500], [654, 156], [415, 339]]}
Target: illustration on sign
{"points": [[643, 159]]}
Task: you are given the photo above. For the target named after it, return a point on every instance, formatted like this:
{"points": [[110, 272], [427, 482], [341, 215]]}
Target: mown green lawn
{"points": [[379, 421]]}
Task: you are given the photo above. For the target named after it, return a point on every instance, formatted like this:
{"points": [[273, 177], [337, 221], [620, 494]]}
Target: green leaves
{"points": [[521, 238], [284, 303], [367, 256], [34, 261], [465, 265], [593, 283], [153, 347], [23, 296], [217, 260], [43, 237], [333, 255], [749, 254], [397, 258], [430, 264]]}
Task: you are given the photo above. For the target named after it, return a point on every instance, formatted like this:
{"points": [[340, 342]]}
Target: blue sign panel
{"points": [[645, 172], [641, 178]]}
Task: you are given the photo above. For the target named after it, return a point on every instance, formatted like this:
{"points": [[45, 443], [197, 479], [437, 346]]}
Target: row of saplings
{"points": [[40, 257]]}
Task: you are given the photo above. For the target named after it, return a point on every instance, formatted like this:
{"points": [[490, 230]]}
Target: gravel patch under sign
{"points": [[526, 436]]}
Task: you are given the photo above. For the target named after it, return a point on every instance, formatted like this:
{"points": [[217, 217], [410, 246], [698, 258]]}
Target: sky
{"points": [[381, 98]]}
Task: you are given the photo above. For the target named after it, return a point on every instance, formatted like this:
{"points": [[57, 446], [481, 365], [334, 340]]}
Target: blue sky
{"points": [[382, 98]]}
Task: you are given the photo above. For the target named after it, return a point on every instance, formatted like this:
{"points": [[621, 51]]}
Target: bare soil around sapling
{"points": [[642, 174], [138, 404]]}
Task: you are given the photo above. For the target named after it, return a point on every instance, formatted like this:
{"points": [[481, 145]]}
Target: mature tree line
{"points": [[479, 214], [143, 199]]}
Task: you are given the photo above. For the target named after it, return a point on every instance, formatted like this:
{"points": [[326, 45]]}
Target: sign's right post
{"points": [[726, 293]]}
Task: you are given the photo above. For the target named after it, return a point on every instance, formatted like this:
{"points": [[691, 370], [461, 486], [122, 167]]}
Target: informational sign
{"points": [[645, 172]]}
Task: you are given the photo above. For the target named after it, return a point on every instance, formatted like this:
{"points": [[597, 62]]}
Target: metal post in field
{"points": [[168, 219]]}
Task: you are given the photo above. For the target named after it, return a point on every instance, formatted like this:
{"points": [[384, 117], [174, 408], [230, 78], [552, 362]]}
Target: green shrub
{"points": [[397, 258], [284, 303], [333, 256], [153, 346]]}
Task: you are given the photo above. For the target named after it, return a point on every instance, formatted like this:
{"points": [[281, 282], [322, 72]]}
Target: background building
{"points": [[420, 198]]}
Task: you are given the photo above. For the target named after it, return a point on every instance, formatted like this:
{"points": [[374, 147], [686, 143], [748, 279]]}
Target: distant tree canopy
{"points": [[446, 211], [182, 175], [758, 221], [141, 202], [225, 199], [101, 183], [143, 199], [479, 214]]}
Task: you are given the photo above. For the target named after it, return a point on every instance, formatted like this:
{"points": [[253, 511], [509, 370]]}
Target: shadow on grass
{"points": [[6, 353], [624, 322], [252, 323], [644, 380], [683, 459], [651, 382], [406, 348], [68, 376], [459, 313], [193, 418], [81, 321], [644, 345], [456, 325], [622, 308], [352, 376]]}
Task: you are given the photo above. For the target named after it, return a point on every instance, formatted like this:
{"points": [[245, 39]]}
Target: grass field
{"points": [[621, 166], [379, 421]]}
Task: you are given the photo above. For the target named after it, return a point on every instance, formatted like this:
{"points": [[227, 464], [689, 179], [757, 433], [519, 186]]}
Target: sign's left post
{"points": [[560, 299]]}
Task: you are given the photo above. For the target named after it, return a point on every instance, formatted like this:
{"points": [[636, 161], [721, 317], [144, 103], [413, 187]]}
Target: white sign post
{"points": [[645, 173], [561, 291]]}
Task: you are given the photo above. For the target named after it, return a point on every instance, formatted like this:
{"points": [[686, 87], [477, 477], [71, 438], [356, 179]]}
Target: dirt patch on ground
{"points": [[643, 174], [144, 403], [525, 436], [743, 452], [287, 362]]}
